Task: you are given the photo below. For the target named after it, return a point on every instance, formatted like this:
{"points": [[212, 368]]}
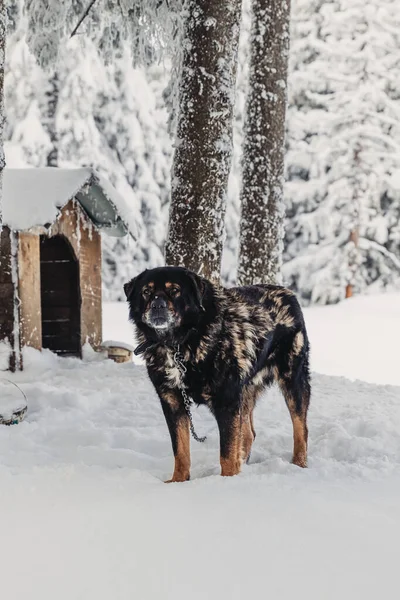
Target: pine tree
{"points": [[344, 120], [3, 17], [49, 116], [261, 230], [105, 117], [207, 78]]}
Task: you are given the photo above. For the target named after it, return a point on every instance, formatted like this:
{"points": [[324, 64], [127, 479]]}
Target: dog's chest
{"points": [[183, 374], [172, 373]]}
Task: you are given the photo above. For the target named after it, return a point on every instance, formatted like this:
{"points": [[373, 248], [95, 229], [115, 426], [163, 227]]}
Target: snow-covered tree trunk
{"points": [[203, 150], [51, 95], [3, 18], [262, 212]]}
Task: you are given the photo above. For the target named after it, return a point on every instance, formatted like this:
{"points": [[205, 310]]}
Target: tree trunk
{"points": [[353, 251], [3, 21], [262, 210], [203, 151], [354, 239], [51, 96]]}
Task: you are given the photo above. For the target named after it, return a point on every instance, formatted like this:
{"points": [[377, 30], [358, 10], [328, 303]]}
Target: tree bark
{"points": [[203, 149], [49, 117], [353, 249], [3, 21], [262, 210]]}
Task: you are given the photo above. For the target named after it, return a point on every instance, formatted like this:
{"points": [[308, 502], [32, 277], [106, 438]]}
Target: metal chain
{"points": [[179, 362], [19, 414]]}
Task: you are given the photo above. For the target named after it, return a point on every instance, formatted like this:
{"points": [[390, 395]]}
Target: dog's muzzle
{"points": [[158, 316]]}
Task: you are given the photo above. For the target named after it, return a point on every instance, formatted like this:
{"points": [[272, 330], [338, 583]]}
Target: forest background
{"points": [[342, 160]]}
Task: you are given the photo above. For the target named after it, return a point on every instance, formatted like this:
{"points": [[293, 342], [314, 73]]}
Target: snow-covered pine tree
{"points": [[343, 153], [261, 226], [105, 117], [209, 46], [49, 116], [3, 18], [203, 146]]}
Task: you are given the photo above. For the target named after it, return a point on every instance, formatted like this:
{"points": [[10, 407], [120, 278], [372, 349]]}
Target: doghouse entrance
{"points": [[60, 296]]}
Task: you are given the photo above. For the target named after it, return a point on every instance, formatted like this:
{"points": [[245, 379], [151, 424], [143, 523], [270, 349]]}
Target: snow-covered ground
{"points": [[86, 513]]}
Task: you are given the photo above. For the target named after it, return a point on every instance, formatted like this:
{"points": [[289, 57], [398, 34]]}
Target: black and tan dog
{"points": [[235, 342]]}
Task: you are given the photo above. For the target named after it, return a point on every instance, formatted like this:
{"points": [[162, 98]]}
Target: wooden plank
{"points": [[62, 345], [67, 224], [5, 256], [10, 309], [7, 308], [29, 290], [61, 328], [53, 313], [6, 312], [6, 290], [52, 249], [90, 279], [60, 296], [58, 275]]}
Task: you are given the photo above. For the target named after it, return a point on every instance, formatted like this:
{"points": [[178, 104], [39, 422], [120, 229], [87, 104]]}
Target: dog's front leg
{"points": [[229, 426], [178, 425]]}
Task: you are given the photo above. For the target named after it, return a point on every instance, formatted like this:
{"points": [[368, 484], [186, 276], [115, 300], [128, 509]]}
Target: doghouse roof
{"points": [[34, 197]]}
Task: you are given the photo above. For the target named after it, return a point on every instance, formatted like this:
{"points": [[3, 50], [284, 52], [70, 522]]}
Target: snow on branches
{"points": [[150, 26], [343, 151]]}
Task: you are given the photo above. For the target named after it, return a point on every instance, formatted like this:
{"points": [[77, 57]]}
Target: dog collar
{"points": [[148, 343], [142, 347]]}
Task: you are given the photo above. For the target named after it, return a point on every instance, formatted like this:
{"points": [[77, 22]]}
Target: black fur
{"points": [[235, 342]]}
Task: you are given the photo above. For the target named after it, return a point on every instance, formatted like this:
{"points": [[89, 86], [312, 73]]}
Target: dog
{"points": [[232, 344]]}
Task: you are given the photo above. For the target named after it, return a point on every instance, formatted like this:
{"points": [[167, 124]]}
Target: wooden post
{"points": [[29, 290]]}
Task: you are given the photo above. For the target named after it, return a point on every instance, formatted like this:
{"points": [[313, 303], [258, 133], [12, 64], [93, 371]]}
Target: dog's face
{"points": [[165, 299]]}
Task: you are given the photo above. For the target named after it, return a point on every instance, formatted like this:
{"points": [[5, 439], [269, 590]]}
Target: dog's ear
{"points": [[128, 287], [199, 286]]}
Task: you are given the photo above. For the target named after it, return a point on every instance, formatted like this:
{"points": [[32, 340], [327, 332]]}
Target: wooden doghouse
{"points": [[50, 258]]}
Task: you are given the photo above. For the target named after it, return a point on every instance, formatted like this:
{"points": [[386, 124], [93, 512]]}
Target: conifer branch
{"points": [[83, 17]]}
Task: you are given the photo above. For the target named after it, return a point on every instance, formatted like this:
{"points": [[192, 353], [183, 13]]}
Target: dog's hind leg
{"points": [[247, 437], [297, 390], [248, 434]]}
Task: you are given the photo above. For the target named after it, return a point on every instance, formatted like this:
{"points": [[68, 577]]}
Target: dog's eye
{"points": [[173, 292], [146, 293]]}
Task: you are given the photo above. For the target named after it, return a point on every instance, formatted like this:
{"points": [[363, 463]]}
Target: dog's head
{"points": [[166, 299]]}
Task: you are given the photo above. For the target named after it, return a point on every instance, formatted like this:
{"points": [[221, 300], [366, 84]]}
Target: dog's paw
{"points": [[179, 479], [300, 460]]}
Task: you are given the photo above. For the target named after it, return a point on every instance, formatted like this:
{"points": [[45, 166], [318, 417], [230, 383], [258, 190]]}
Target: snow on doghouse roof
{"points": [[34, 197]]}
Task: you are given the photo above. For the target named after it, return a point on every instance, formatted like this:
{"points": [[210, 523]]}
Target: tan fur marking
{"points": [[170, 284], [284, 317], [172, 400], [258, 379], [299, 442], [253, 431], [231, 465], [182, 457], [249, 399], [298, 342], [171, 371], [247, 437]]}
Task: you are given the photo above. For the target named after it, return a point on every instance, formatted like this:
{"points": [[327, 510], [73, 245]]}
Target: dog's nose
{"points": [[158, 303]]}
